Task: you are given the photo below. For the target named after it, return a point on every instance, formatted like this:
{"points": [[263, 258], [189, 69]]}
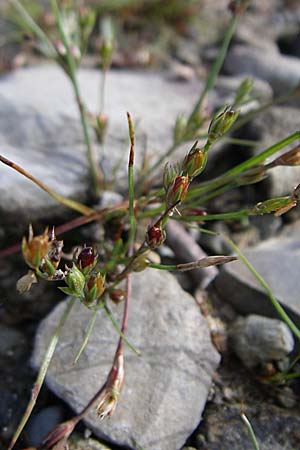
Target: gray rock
{"points": [[226, 88], [277, 261], [12, 342], [280, 71], [40, 130], [256, 339], [77, 443], [42, 423], [165, 389], [270, 127]]}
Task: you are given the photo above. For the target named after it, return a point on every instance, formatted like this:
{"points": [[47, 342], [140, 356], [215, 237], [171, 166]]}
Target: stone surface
{"points": [[280, 71], [256, 339], [40, 424], [222, 428], [165, 389], [277, 260], [40, 130], [77, 443], [270, 127]]}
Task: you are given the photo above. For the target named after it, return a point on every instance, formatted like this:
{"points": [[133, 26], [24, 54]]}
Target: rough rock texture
{"points": [[270, 127], [281, 71], [165, 389], [238, 391], [256, 339], [277, 260], [40, 130]]}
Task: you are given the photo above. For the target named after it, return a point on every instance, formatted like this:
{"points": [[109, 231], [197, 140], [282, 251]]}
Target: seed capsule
{"points": [[155, 236]]}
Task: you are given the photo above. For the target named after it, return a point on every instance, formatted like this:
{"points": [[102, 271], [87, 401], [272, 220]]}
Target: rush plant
{"points": [[178, 195]]}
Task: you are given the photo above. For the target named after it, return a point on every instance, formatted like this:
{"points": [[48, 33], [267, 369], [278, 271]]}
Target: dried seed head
{"points": [[194, 162], [109, 397], [55, 250], [24, 284], [155, 236], [290, 158], [35, 248]]}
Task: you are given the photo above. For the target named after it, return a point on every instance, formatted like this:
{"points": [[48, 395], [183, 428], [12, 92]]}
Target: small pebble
{"points": [[257, 339]]}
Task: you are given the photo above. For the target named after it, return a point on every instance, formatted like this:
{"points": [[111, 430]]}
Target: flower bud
{"points": [[107, 46], [243, 91], [180, 129], [35, 248], [155, 236], [93, 289], [75, 279], [220, 124], [177, 190], [194, 162], [100, 126]]}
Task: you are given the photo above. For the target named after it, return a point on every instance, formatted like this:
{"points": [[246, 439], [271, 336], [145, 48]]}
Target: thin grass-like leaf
{"points": [[250, 431], [72, 204], [117, 328], [87, 336], [42, 372]]}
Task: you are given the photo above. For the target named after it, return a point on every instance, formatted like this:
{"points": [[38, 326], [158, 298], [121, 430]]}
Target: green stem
{"points": [[72, 204], [253, 161], [283, 315], [250, 431], [216, 66], [42, 372], [132, 221], [119, 331], [94, 170], [87, 336], [222, 216], [34, 28]]}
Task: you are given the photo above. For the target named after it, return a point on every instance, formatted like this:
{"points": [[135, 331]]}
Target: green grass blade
{"points": [[117, 328], [86, 337], [213, 74], [250, 431], [33, 27], [43, 371]]}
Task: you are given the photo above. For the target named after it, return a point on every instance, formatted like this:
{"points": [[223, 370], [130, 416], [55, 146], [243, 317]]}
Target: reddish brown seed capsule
{"points": [[86, 257], [155, 236], [117, 295]]}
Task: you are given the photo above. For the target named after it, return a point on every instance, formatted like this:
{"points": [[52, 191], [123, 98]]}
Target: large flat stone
{"points": [[277, 260], [165, 389], [40, 130]]}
